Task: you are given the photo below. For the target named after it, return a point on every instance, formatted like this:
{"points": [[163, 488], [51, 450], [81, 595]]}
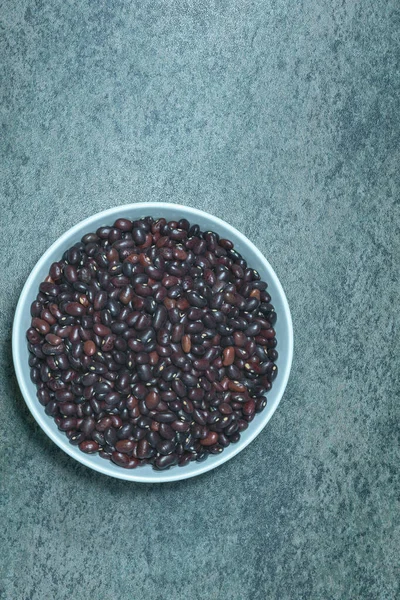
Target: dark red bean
{"points": [[36, 308], [41, 326], [212, 438], [47, 316], [180, 426], [67, 424], [186, 343], [116, 421], [165, 447], [167, 431], [119, 458], [201, 364], [108, 343], [152, 400], [89, 446], [33, 336], [125, 446], [228, 356], [249, 407], [144, 449], [123, 224], [164, 462], [89, 348], [54, 340], [159, 317], [88, 425], [74, 309], [101, 330]]}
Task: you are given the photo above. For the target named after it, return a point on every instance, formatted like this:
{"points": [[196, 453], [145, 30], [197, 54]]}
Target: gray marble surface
{"points": [[283, 118]]}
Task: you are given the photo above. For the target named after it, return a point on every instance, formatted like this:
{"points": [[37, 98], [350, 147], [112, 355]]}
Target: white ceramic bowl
{"points": [[255, 259]]}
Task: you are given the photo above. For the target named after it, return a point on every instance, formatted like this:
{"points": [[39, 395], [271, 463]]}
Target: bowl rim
{"points": [[34, 405]]}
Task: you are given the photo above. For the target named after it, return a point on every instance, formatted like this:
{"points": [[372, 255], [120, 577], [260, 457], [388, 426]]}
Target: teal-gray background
{"points": [[282, 118]]}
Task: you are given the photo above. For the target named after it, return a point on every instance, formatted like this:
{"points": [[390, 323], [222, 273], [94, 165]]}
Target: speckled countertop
{"points": [[283, 118]]}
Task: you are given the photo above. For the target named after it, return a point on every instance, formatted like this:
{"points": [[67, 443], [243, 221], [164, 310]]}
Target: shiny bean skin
{"points": [[196, 300], [210, 439], [41, 326], [186, 343], [144, 449], [167, 431], [88, 425], [179, 387], [33, 336], [228, 356], [177, 333], [119, 458], [153, 437], [124, 445], [152, 400], [180, 426], [74, 309], [101, 330], [89, 446], [164, 462], [159, 317], [165, 417], [165, 447]]}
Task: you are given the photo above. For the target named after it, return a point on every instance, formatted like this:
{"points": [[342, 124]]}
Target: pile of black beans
{"points": [[152, 342]]}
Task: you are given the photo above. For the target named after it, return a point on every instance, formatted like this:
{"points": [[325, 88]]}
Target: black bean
{"points": [[177, 333], [144, 372], [179, 387], [147, 335], [170, 373], [194, 327], [88, 425], [144, 448], [201, 364], [167, 431], [164, 417], [189, 380], [198, 417], [253, 329], [63, 395], [196, 299], [67, 424], [165, 447]]}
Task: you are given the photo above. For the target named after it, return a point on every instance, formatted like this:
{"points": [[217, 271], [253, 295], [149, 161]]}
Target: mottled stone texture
{"points": [[283, 118]]}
